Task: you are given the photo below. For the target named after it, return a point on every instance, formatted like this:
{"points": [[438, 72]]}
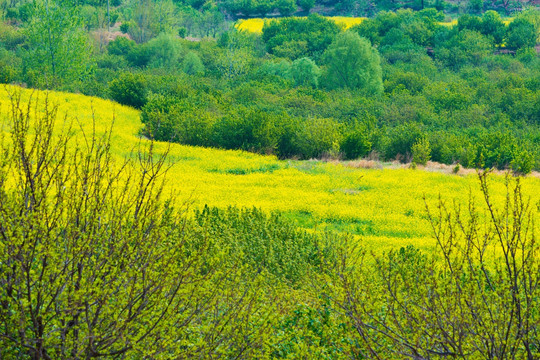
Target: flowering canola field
{"points": [[255, 25], [382, 208]]}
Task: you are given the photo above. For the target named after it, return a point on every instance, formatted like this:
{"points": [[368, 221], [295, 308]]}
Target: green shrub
{"points": [[315, 31], [139, 56], [400, 141], [129, 89], [467, 47], [520, 34], [352, 63], [317, 137], [305, 72], [192, 64], [9, 66], [11, 37], [522, 162], [247, 129], [182, 32], [268, 242], [125, 27], [421, 151], [121, 46], [286, 7], [356, 144], [114, 62], [165, 51]]}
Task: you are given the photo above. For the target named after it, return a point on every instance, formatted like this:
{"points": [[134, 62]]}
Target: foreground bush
{"points": [[475, 297], [95, 263]]}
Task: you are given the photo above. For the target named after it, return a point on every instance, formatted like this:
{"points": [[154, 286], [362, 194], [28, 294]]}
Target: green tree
{"points": [[121, 46], [96, 263], [305, 72], [237, 58], [192, 64], [315, 32], [356, 144], [351, 62], [164, 51], [318, 137], [306, 5], [286, 7], [467, 47], [129, 89], [368, 29], [58, 47], [421, 151], [521, 33], [492, 25]]}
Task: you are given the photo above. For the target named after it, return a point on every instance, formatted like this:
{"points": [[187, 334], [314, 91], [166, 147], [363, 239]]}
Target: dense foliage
{"points": [[304, 88], [96, 262], [476, 296]]}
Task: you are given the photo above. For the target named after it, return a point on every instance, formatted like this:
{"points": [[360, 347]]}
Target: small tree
{"points": [[421, 151], [192, 64], [305, 72], [476, 296], [165, 51], [58, 47], [521, 33], [286, 7], [306, 5], [351, 62], [129, 89], [492, 25]]}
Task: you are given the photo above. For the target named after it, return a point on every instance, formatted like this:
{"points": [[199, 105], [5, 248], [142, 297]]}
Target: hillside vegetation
{"points": [[384, 207], [356, 180], [256, 25], [396, 86], [92, 246]]}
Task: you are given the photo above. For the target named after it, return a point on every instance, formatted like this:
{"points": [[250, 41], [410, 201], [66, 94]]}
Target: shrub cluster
{"points": [[306, 88], [95, 262]]}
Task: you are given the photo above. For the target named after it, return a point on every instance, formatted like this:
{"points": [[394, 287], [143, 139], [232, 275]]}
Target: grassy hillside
{"points": [[383, 206]]}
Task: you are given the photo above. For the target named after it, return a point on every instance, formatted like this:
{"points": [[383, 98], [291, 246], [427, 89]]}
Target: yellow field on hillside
{"points": [[383, 207], [255, 25]]}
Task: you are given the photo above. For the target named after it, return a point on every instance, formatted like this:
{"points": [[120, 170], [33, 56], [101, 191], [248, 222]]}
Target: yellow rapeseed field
{"points": [[383, 208], [255, 25]]}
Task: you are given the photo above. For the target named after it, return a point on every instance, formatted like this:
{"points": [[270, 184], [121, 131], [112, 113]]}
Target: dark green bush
{"points": [[247, 129], [129, 89], [121, 46], [400, 141], [520, 34], [357, 144], [315, 31]]}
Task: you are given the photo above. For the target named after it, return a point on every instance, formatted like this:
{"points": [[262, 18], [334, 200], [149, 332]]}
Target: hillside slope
{"points": [[384, 207]]}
